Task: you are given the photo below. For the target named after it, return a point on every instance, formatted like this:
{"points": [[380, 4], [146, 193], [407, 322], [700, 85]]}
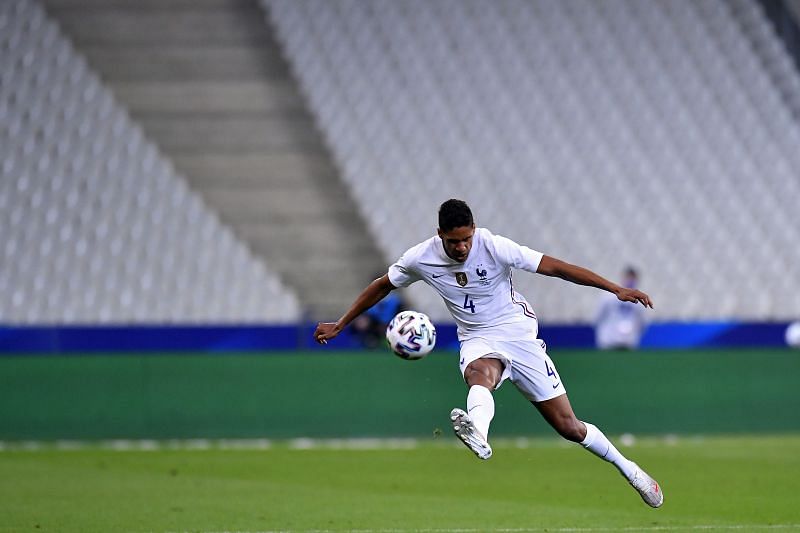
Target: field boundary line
{"points": [[703, 527], [303, 443], [355, 443]]}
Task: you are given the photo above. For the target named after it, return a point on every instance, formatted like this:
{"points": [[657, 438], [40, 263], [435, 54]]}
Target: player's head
{"points": [[455, 214], [456, 227], [630, 277]]}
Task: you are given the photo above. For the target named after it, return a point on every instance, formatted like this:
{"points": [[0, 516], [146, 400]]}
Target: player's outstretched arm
{"points": [[372, 294], [550, 266]]}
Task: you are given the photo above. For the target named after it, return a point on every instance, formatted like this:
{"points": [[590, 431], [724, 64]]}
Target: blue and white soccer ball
{"points": [[411, 335], [793, 335]]}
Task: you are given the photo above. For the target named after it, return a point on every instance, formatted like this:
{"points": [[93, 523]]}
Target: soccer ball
{"points": [[411, 335], [793, 335]]}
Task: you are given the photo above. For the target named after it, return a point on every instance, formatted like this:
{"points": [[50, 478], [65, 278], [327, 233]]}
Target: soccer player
{"points": [[471, 268]]}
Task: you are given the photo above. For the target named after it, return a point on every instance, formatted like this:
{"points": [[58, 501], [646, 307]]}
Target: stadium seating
{"points": [[604, 133], [95, 224]]}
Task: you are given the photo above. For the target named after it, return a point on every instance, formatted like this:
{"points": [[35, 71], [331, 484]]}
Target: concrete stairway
{"points": [[208, 83]]}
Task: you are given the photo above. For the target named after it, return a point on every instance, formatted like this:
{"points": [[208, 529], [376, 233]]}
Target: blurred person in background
{"points": [[370, 326], [619, 325]]}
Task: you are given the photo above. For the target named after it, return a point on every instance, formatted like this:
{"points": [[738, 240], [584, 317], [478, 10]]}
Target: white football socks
{"points": [[480, 406], [598, 444]]}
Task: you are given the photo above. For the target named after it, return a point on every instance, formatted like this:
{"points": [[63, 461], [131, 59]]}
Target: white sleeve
{"points": [[515, 255], [402, 273]]}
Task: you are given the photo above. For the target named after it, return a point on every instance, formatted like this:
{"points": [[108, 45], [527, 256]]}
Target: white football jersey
{"points": [[479, 292]]}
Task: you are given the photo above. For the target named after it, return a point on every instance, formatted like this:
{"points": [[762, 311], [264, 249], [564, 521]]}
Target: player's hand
{"points": [[635, 296], [326, 331]]}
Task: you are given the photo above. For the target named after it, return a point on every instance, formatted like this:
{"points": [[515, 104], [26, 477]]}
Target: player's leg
{"points": [[472, 426], [559, 414], [485, 371], [482, 377], [536, 377]]}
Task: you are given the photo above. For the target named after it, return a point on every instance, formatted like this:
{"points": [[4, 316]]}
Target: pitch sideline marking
{"points": [[302, 443], [732, 527]]}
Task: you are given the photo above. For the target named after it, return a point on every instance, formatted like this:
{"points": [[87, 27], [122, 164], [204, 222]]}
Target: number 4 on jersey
{"points": [[469, 303]]}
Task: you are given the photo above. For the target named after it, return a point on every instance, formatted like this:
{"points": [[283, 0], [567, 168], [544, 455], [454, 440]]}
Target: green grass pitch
{"points": [[742, 483]]}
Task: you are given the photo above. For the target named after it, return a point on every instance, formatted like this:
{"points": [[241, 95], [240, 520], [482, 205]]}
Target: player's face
{"points": [[458, 242]]}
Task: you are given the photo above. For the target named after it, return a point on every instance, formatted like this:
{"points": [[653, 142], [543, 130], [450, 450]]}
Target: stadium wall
{"points": [[226, 338], [283, 395]]}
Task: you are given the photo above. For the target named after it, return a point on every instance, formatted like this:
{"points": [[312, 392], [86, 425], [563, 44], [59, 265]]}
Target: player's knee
{"points": [[476, 376], [484, 372]]}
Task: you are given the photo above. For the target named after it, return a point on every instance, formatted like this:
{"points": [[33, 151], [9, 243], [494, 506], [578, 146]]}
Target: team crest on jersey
{"points": [[482, 273], [461, 278]]}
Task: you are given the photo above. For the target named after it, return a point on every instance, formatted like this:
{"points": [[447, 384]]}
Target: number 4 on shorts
{"points": [[550, 370]]}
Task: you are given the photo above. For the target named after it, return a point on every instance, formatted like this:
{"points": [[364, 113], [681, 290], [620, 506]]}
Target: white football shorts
{"points": [[526, 362]]}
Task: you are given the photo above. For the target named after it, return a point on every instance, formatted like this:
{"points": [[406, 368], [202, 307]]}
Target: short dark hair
{"points": [[454, 214]]}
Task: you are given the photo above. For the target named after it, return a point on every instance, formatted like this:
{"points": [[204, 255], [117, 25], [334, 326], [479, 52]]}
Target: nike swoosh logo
{"points": [[556, 385], [434, 276]]}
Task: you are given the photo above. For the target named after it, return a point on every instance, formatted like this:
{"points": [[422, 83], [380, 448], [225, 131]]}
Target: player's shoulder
{"points": [[484, 233], [499, 240], [489, 240], [421, 250]]}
